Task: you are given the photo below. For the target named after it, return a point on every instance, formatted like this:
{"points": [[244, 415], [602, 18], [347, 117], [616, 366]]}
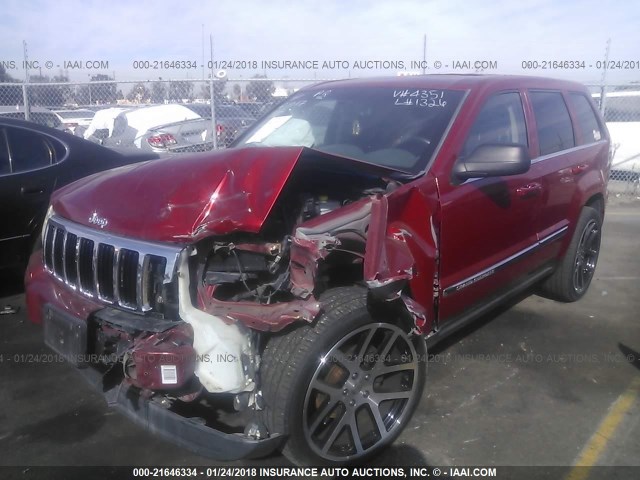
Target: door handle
{"points": [[578, 169], [529, 190], [32, 191]]}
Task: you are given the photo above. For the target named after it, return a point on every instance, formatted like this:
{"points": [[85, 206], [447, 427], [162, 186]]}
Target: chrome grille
{"points": [[113, 269]]}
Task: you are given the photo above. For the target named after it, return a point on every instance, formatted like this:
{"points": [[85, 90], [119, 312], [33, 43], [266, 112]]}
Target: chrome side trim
{"points": [[554, 235], [568, 150], [14, 238], [452, 325], [487, 272]]}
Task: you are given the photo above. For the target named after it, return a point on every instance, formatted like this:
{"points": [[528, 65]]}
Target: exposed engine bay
{"points": [[304, 248]]}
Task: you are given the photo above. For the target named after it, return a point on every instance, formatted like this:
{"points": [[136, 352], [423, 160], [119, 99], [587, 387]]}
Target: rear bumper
{"points": [[65, 318]]}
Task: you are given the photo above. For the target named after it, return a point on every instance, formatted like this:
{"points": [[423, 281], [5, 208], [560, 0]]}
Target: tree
{"points": [[260, 89], [237, 92], [103, 93], [49, 95], [219, 86], [158, 92], [9, 94], [139, 94], [181, 90], [5, 77]]}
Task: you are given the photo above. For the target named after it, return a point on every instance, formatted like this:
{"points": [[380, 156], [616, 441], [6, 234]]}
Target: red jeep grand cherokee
{"points": [[299, 276]]}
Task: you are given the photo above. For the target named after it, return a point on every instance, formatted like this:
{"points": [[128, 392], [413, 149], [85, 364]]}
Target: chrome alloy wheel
{"points": [[586, 256], [359, 394]]}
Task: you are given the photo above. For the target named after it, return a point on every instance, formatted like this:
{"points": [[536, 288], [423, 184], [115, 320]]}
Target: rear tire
{"points": [[344, 387], [573, 276]]}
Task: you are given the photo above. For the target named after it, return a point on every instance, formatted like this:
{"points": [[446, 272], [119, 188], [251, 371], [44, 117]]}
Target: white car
{"points": [[131, 126], [74, 118], [622, 115], [101, 125]]}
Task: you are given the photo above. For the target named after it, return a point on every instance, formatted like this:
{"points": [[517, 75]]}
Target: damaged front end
{"points": [[175, 331]]}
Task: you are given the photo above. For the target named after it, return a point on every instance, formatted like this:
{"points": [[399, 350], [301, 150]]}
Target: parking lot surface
{"points": [[538, 383]]}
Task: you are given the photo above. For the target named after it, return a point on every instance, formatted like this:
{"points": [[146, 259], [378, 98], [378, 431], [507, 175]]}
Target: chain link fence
{"points": [[165, 116], [621, 111], [176, 116]]}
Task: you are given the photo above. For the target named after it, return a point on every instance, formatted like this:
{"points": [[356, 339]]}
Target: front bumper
{"points": [[65, 317], [184, 432]]}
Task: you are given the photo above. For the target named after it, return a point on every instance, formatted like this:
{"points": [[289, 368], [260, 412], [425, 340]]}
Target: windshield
{"points": [[398, 128]]}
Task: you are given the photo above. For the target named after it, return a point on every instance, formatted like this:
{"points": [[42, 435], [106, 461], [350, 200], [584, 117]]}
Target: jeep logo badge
{"points": [[97, 220]]}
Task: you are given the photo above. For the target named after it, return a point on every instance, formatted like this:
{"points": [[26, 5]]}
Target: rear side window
{"points": [[555, 131], [29, 150], [586, 118], [501, 121]]}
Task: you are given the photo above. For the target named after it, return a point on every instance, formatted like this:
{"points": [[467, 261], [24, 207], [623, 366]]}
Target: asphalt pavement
{"points": [[535, 383]]}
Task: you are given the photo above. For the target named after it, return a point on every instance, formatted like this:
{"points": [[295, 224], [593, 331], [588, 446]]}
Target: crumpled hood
{"points": [[182, 199]]}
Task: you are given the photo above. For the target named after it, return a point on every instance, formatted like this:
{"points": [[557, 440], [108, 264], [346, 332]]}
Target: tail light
{"points": [[219, 129], [161, 141]]}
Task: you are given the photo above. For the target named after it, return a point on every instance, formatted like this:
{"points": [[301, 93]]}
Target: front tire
{"points": [[344, 387], [573, 276]]}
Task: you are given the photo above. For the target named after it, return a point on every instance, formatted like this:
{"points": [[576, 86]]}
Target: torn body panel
{"points": [[397, 261], [222, 348], [263, 246], [190, 198], [402, 251]]}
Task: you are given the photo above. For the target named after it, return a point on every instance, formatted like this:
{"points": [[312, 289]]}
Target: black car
{"points": [[34, 161]]}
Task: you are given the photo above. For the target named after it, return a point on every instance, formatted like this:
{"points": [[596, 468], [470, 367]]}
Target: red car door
{"points": [[487, 225], [570, 147]]}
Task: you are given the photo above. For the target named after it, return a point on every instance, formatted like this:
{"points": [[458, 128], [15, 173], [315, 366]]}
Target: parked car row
{"points": [[170, 128], [39, 115]]}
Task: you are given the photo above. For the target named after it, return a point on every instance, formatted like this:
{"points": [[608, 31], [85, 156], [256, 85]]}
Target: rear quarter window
{"points": [[553, 123], [586, 118]]}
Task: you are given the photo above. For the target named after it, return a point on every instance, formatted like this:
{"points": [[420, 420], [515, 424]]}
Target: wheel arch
{"points": [[597, 202]]}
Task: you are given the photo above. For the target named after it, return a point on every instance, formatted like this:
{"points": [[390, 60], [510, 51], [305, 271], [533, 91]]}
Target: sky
{"points": [[507, 33]]}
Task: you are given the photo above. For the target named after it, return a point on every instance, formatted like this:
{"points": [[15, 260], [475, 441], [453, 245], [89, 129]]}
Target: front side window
{"points": [[586, 118], [395, 127], [29, 150], [553, 123], [500, 122]]}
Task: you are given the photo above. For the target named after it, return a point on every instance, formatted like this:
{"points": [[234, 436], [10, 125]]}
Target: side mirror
{"points": [[491, 160]]}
